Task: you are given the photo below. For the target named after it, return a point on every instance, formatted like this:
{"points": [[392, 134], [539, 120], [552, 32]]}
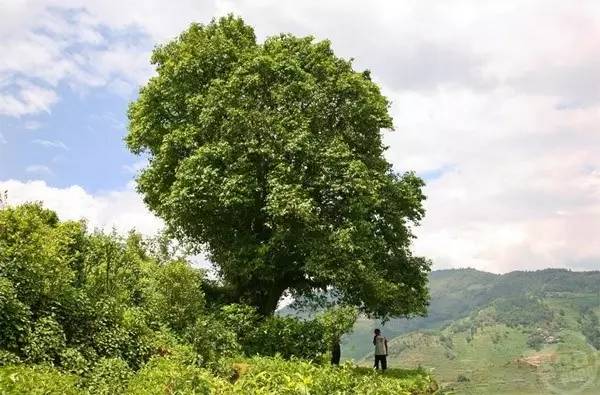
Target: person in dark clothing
{"points": [[336, 352], [381, 350]]}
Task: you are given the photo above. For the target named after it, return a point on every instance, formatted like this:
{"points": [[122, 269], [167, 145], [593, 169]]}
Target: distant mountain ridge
{"points": [[492, 333]]}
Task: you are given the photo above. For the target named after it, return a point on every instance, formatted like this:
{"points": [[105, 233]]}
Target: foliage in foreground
{"points": [[268, 375], [259, 375]]}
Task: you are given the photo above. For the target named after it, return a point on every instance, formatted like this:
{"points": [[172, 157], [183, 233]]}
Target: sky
{"points": [[496, 104]]}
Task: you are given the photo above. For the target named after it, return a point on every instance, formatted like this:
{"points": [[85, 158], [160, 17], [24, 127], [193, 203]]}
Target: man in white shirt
{"points": [[381, 350]]}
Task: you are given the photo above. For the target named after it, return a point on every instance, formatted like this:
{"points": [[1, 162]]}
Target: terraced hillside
{"points": [[522, 332]]}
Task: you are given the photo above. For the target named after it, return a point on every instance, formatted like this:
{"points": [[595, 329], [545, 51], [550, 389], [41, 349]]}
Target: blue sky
{"points": [[79, 142], [495, 104]]}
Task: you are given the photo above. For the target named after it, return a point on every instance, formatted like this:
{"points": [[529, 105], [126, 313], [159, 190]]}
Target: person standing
{"points": [[336, 352], [381, 350]]}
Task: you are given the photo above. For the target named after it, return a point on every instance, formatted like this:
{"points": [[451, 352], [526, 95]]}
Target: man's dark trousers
{"points": [[383, 360]]}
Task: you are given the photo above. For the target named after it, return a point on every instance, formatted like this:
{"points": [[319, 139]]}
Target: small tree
{"points": [[270, 157]]}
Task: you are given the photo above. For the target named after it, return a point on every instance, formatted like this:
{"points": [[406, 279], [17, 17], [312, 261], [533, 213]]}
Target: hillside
{"points": [[454, 294], [522, 332]]}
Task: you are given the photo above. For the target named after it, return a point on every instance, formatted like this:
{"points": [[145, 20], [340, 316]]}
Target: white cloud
{"points": [[519, 185], [2, 139], [51, 144], [39, 170], [27, 99], [497, 101], [84, 44], [159, 19], [122, 209]]}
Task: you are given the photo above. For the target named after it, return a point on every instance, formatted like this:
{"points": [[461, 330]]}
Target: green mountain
{"points": [[517, 333]]}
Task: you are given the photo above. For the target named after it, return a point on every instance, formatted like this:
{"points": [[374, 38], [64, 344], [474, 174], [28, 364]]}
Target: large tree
{"points": [[269, 157]]}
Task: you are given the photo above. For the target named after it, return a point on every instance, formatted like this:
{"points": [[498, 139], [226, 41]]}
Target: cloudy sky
{"points": [[495, 103]]}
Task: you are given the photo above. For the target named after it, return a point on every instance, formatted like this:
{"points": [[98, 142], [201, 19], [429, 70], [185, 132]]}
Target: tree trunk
{"points": [[264, 297]]}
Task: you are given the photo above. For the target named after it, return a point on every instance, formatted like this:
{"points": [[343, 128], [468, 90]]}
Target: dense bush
{"points": [[73, 361], [46, 341], [8, 358], [37, 380], [177, 296], [14, 318], [243, 320], [288, 336], [80, 297], [34, 255], [67, 296], [211, 340], [104, 314], [109, 376]]}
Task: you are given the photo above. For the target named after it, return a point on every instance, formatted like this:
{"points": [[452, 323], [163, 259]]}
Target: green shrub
{"points": [[535, 340], [36, 380], [265, 375], [165, 344], [138, 347], [73, 361], [177, 297], [78, 316], [45, 342], [14, 318], [336, 322], [119, 332], [32, 257], [109, 376], [241, 319], [110, 340], [212, 340], [8, 358], [288, 337], [168, 376]]}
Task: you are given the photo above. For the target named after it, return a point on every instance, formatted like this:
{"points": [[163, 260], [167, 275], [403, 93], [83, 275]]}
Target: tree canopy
{"points": [[269, 157]]}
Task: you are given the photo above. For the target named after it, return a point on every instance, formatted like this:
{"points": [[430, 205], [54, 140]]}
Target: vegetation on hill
{"points": [[457, 293], [99, 313], [518, 333]]}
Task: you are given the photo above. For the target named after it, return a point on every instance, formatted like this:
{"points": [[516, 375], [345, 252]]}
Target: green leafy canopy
{"points": [[270, 158]]}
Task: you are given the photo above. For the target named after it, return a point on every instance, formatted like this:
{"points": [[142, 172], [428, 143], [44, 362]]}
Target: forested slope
{"points": [[522, 332]]}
